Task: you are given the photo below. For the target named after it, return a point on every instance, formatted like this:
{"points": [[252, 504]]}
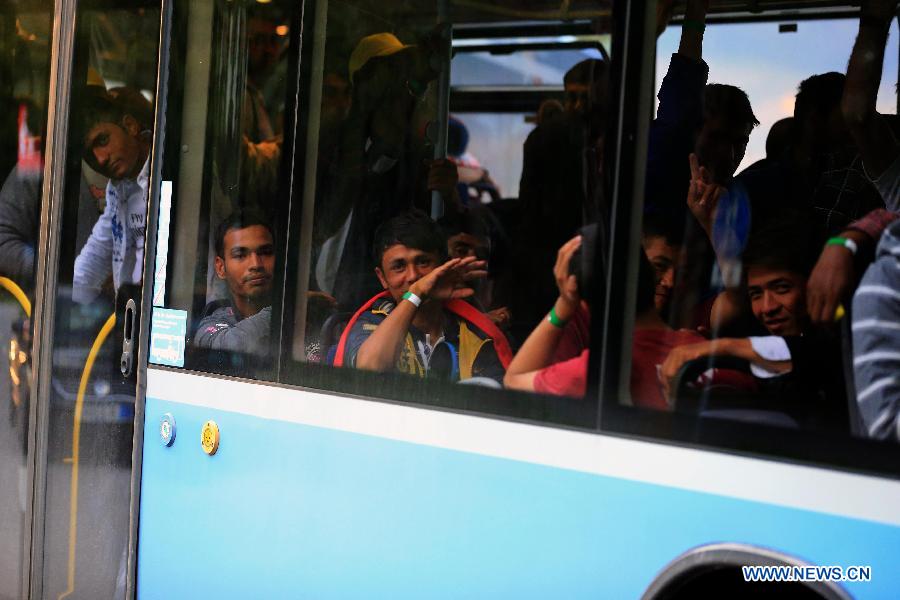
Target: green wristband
{"points": [[845, 242], [555, 320], [692, 25]]}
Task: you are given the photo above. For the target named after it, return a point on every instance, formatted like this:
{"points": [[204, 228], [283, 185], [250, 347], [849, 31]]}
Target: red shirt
{"points": [[649, 349], [568, 377]]}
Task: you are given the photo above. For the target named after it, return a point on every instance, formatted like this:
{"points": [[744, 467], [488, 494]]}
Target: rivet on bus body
{"points": [[209, 437], [167, 429]]}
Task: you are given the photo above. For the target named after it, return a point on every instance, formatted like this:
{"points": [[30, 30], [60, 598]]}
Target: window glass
{"points": [[385, 183], [24, 86], [100, 273], [494, 172], [766, 283], [780, 61], [226, 187], [518, 67], [432, 267]]}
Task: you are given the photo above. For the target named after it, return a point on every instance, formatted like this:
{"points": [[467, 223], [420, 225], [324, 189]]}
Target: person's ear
{"points": [[130, 125], [220, 267], [381, 278]]}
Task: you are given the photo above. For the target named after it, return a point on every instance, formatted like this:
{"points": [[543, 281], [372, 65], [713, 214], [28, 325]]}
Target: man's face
{"points": [[588, 99], [264, 46], [663, 258], [390, 92], [462, 245], [402, 266], [248, 263], [578, 97], [721, 145], [335, 100], [115, 148], [778, 299]]}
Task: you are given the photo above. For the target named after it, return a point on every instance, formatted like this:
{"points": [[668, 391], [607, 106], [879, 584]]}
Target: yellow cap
{"points": [[372, 46]]}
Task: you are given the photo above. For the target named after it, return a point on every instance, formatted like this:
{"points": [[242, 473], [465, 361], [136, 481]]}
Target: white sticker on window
{"points": [[168, 330]]}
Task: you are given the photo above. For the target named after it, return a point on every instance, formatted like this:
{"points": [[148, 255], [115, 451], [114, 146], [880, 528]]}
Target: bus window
{"points": [[225, 190], [413, 262], [500, 94], [770, 180]]}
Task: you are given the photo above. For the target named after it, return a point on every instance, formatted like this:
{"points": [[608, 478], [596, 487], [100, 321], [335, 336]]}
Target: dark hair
{"points": [[413, 229], [780, 137], [239, 219], [131, 102], [585, 72], [581, 265], [465, 221], [457, 137], [655, 225], [788, 245], [99, 105], [728, 101], [819, 94]]}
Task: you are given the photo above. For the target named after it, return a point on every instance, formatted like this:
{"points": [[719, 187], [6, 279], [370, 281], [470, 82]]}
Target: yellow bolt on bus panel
{"points": [[209, 437]]}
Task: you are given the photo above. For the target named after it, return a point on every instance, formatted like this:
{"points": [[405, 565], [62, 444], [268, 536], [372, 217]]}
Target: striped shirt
{"points": [[876, 340]]}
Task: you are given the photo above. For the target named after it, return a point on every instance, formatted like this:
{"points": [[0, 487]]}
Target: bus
{"points": [[270, 270]]}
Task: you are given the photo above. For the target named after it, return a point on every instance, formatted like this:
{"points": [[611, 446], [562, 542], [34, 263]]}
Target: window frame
{"points": [[810, 448]]}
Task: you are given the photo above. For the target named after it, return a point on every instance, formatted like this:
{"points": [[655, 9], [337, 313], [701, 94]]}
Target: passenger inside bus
{"points": [[560, 190], [420, 324], [117, 133], [245, 258], [798, 368], [661, 242], [468, 234], [262, 119], [554, 358], [382, 157]]}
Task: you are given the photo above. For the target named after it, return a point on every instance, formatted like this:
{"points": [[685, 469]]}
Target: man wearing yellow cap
{"points": [[383, 166]]}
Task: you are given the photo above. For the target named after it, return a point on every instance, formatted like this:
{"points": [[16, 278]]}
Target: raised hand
{"points": [[443, 176], [448, 281], [703, 195], [569, 298], [830, 283]]}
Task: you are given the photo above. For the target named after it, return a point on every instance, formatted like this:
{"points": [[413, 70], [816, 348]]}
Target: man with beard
{"points": [[245, 257]]}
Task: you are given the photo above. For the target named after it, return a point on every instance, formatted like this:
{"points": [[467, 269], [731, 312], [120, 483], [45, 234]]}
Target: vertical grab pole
{"points": [[443, 106]]}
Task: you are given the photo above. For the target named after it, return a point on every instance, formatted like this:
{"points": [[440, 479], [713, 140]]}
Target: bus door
{"points": [[25, 38], [74, 200]]}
